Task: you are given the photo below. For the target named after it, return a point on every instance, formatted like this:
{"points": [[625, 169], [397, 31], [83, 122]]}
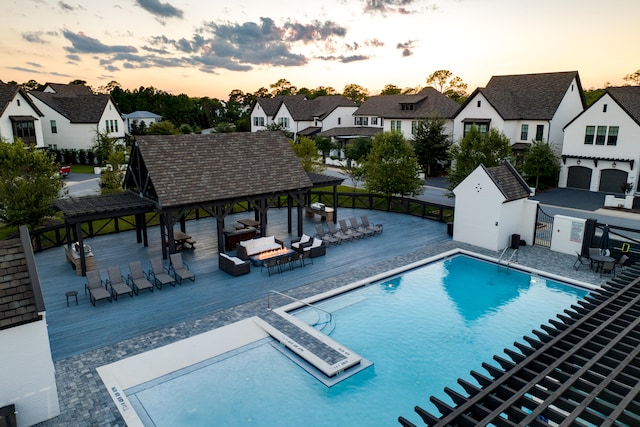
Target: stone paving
{"points": [[84, 400]]}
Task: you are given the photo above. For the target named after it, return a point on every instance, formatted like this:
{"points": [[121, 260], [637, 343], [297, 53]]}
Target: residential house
{"points": [[402, 112], [524, 107], [492, 205], [28, 373], [140, 119], [73, 114], [601, 150], [19, 117], [303, 116]]}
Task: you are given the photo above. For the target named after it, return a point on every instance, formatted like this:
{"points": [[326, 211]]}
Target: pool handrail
{"points": [[298, 301]]}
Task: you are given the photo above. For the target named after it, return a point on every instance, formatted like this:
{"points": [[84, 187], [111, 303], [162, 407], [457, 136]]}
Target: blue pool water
{"points": [[422, 330]]}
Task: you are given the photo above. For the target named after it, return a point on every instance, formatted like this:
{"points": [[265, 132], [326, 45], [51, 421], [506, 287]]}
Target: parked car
{"points": [[64, 171]]}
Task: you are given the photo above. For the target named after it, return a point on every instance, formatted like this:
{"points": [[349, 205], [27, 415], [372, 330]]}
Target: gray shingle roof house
{"points": [[138, 117], [19, 117], [600, 150], [28, 374], [525, 107], [73, 114]]}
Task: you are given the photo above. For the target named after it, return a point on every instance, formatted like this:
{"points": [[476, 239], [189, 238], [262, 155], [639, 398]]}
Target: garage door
{"points": [[579, 177], [611, 180]]}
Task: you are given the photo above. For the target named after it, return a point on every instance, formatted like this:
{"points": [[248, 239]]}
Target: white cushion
{"points": [[225, 256], [316, 243], [237, 261]]}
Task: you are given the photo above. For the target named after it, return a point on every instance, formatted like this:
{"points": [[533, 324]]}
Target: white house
{"points": [[601, 150], [28, 373], [19, 117], [137, 118], [402, 112], [303, 116], [492, 204], [73, 114], [524, 107]]}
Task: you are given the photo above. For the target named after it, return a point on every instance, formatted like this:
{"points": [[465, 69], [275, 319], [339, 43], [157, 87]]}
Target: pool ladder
{"points": [[325, 326], [505, 262]]}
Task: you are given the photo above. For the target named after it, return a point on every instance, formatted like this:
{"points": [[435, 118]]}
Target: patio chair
{"points": [[608, 267], [159, 274], [97, 290], [594, 251], [180, 269], [349, 231], [284, 262], [579, 261], [377, 228], [623, 259], [117, 283], [360, 228], [272, 266], [338, 233], [136, 278], [326, 237], [296, 260]]}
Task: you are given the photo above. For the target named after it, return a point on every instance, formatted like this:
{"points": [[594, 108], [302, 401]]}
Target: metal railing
{"points": [[271, 291]]}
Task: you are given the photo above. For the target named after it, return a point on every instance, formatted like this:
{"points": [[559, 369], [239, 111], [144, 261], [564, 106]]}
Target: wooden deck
{"points": [[77, 329]]}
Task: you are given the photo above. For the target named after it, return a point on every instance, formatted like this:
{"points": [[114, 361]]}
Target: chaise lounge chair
{"points": [[360, 228], [337, 233], [377, 228], [326, 237], [349, 231], [137, 279], [180, 269], [117, 283], [159, 274], [94, 285]]}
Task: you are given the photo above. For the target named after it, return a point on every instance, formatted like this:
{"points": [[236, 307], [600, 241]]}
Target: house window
{"points": [[482, 127], [26, 131], [362, 121], [407, 107], [18, 102], [601, 135], [374, 121], [339, 120], [414, 126], [396, 125], [115, 124], [258, 121], [524, 132], [589, 134], [479, 104], [613, 135], [54, 127], [284, 122], [539, 132], [604, 108]]}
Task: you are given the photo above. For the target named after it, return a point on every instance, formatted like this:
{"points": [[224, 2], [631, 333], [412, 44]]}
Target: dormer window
{"points": [[407, 107]]}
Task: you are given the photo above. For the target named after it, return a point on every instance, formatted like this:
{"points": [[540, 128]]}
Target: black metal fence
{"points": [[544, 229], [56, 235]]}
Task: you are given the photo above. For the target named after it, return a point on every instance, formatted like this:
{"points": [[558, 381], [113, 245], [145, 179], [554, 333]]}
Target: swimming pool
{"points": [[422, 329]]}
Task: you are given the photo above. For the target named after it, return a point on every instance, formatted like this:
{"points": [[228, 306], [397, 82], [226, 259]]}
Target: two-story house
{"points": [[140, 120], [73, 114], [525, 107], [601, 150], [19, 117], [402, 112]]}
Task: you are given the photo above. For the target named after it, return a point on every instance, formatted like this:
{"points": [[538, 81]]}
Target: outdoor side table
{"points": [[71, 294]]}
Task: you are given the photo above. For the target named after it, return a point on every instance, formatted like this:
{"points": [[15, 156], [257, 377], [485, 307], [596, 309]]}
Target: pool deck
{"points": [[84, 337]]}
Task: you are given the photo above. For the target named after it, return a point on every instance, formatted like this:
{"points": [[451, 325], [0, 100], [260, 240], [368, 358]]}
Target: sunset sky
{"points": [[210, 47]]}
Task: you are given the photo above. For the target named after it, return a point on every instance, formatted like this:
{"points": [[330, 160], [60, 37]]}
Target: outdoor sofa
{"points": [[248, 248], [233, 265]]}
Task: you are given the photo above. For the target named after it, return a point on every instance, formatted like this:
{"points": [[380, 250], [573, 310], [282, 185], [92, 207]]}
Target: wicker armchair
{"points": [[233, 266]]}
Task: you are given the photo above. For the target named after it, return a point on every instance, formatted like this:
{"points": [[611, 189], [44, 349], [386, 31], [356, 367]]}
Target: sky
{"points": [[211, 47]]}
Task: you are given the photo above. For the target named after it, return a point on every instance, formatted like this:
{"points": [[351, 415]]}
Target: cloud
{"points": [[388, 6], [73, 57], [344, 59], [37, 36], [25, 70], [82, 43], [34, 64], [65, 6], [161, 10], [406, 47]]}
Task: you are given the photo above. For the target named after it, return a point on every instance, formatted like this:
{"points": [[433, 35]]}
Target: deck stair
{"points": [[328, 356]]}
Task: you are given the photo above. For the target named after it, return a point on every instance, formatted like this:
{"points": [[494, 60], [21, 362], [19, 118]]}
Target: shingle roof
{"points": [[105, 206], [509, 181], [428, 102], [270, 106], [141, 115], [68, 90], [529, 96], [78, 108], [320, 107], [351, 132], [191, 169], [629, 99], [8, 93], [20, 296]]}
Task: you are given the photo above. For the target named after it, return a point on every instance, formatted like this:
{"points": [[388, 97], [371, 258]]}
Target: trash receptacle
{"points": [[515, 241]]}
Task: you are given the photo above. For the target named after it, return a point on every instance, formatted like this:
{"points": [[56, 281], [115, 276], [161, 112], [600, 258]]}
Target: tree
{"points": [[448, 84], [112, 176], [430, 143], [357, 150], [325, 145], [306, 150], [165, 127], [103, 146], [541, 161], [474, 149], [633, 78], [29, 183], [391, 90], [282, 87], [356, 93], [391, 167]]}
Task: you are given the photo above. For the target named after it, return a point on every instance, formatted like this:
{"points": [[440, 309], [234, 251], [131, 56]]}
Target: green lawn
{"points": [[81, 169]]}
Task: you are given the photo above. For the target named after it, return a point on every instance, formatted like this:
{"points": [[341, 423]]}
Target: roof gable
{"points": [[529, 96], [428, 102], [628, 97], [191, 169], [320, 107], [9, 92], [270, 106], [76, 108]]}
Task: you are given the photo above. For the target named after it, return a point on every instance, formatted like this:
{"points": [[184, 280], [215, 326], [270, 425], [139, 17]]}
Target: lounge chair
{"points": [[377, 228], [117, 283], [96, 288], [337, 233], [180, 269], [159, 274], [349, 231], [136, 278], [326, 237], [360, 228], [579, 261]]}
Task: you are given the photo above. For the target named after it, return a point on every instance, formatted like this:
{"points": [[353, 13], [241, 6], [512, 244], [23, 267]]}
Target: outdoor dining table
{"points": [[600, 259], [182, 240], [249, 222]]}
